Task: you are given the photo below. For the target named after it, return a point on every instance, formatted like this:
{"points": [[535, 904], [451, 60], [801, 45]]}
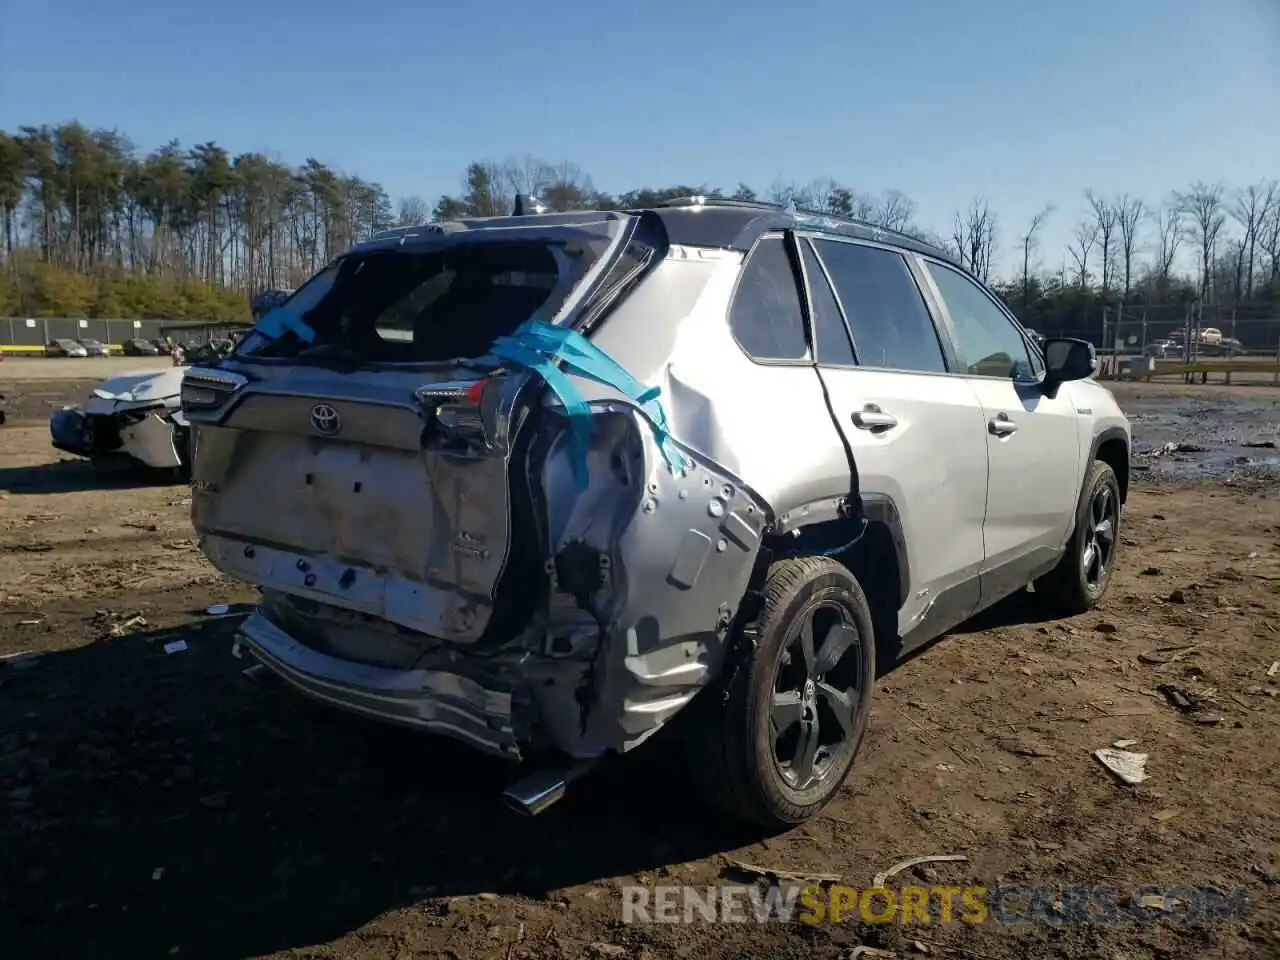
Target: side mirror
{"points": [[1068, 359]]}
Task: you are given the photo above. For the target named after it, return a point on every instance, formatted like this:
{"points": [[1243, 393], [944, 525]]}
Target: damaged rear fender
{"points": [[646, 571]]}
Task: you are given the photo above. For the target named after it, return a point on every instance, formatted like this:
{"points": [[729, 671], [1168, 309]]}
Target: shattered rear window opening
{"points": [[437, 304]]}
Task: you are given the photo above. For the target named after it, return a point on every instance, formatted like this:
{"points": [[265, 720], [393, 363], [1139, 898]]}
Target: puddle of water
{"points": [[1221, 427]]}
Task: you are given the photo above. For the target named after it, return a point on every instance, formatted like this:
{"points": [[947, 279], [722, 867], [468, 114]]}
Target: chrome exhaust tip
{"points": [[535, 793]]}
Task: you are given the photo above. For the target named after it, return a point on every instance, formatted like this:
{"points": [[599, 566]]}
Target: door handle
{"points": [[1001, 425], [872, 417]]}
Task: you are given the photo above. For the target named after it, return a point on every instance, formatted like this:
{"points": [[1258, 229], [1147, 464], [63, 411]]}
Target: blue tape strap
{"points": [[275, 323], [542, 348], [576, 407], [588, 360]]}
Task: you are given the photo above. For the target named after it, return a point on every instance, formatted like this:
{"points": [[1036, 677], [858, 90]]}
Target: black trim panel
{"points": [[949, 609], [880, 508]]}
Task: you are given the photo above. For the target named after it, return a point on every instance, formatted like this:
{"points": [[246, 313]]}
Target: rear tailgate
{"points": [[371, 473]]}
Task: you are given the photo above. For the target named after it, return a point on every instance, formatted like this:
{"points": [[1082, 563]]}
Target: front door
{"points": [[1033, 441]]}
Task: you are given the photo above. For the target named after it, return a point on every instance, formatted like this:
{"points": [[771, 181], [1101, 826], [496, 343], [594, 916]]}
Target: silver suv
{"points": [[540, 483]]}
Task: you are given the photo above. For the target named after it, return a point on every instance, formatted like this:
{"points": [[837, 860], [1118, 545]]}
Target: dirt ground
{"points": [[156, 805]]}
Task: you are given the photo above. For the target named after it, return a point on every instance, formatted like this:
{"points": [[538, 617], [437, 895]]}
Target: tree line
{"points": [[92, 226]]}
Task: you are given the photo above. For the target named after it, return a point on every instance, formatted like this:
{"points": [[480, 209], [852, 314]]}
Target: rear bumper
{"points": [[437, 701]]}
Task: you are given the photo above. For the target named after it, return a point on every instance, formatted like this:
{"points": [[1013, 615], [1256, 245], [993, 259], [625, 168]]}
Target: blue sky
{"points": [[1025, 101]]}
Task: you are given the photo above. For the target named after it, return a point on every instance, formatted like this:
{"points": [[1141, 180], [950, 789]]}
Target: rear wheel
{"points": [[780, 734], [1083, 574]]}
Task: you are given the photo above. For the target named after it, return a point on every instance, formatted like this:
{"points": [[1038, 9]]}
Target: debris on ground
{"points": [[1260, 444], [1161, 655], [1125, 744], [175, 646], [218, 609], [127, 626], [769, 873], [1163, 816], [897, 868], [1024, 748], [1273, 669], [1128, 767], [1176, 697]]}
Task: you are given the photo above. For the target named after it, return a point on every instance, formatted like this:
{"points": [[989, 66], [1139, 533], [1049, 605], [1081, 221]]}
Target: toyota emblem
{"points": [[325, 419]]}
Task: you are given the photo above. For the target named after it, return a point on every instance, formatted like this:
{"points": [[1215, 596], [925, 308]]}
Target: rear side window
{"points": [[830, 336], [425, 304], [766, 316], [891, 325]]}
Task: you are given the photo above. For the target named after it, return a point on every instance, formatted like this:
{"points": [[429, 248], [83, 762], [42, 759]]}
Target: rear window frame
{"points": [[617, 232]]}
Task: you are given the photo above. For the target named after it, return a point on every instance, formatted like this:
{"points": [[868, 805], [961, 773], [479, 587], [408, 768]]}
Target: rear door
{"points": [[1032, 439], [916, 431]]}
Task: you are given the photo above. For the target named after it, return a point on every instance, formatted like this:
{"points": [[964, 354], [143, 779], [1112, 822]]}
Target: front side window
{"points": [[766, 317], [887, 315], [988, 342]]}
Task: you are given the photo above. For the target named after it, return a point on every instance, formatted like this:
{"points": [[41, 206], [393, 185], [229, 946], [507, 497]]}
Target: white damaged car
{"points": [[135, 415]]}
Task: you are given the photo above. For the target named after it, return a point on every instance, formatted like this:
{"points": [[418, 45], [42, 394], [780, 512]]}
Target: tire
{"points": [[1070, 588], [735, 747]]}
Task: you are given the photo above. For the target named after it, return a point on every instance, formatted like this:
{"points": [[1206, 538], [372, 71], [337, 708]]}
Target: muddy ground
{"points": [[156, 805]]}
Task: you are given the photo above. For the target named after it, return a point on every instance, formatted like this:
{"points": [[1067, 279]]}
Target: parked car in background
{"points": [[161, 344], [134, 414], [1163, 349], [138, 347], [770, 451], [64, 347], [94, 348]]}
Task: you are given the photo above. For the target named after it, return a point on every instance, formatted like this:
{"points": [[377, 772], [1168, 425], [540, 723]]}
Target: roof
{"points": [[690, 221]]}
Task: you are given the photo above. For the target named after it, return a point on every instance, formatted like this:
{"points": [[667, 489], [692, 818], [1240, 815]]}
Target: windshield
{"points": [[437, 303]]}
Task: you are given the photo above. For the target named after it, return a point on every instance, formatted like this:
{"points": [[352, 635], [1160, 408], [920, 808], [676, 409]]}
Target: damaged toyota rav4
{"points": [[548, 483]]}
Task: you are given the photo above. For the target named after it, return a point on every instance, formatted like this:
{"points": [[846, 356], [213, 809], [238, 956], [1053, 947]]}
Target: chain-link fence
{"points": [[28, 334], [1189, 331]]}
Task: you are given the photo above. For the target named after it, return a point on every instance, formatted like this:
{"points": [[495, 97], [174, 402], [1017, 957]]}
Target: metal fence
{"points": [[1239, 331], [26, 333]]}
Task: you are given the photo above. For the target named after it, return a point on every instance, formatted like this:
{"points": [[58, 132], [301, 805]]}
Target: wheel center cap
{"points": [[809, 694]]}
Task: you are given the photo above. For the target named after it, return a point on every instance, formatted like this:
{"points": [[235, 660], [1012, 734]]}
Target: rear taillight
{"points": [[208, 389]]}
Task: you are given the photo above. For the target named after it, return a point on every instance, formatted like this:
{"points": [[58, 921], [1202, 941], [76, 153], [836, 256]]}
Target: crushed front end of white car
{"points": [[137, 415]]}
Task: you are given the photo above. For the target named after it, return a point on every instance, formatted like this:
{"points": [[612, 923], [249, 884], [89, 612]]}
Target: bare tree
{"points": [[1129, 212], [1269, 239], [974, 235], [820, 196], [1203, 205], [1085, 237], [893, 211], [1106, 217], [1250, 208], [413, 211], [1170, 231], [1028, 244]]}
